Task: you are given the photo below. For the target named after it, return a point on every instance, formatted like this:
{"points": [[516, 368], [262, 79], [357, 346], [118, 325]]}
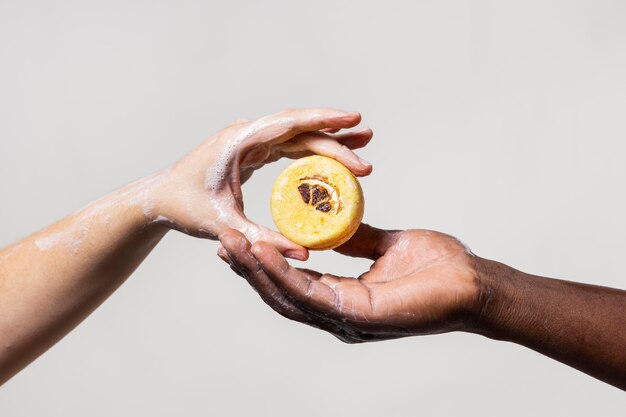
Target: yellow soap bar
{"points": [[317, 203]]}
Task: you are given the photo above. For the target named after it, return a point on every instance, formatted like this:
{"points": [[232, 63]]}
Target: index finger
{"points": [[280, 127], [327, 296], [296, 282]]}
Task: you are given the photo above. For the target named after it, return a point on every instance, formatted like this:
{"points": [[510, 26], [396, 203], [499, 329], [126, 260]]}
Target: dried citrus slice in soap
{"points": [[317, 203]]}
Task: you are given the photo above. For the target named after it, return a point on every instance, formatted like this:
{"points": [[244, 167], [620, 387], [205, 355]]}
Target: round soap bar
{"points": [[317, 203]]}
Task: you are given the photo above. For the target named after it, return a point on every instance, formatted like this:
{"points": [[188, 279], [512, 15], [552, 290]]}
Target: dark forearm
{"points": [[581, 325]]}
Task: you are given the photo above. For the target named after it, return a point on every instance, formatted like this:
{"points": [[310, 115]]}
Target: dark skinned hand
{"points": [[421, 282]]}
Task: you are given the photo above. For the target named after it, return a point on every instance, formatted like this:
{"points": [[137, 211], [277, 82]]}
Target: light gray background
{"points": [[503, 124]]}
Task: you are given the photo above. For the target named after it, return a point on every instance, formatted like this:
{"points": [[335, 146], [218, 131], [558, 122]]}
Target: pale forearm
{"points": [[50, 281], [581, 325]]}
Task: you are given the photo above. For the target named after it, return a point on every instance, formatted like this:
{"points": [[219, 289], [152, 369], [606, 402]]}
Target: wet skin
{"points": [[425, 282], [53, 279]]}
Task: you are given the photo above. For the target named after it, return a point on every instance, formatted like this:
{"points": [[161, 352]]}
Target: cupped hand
{"points": [[421, 282], [201, 194]]}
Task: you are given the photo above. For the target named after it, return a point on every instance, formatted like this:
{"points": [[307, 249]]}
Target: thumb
{"points": [[255, 233], [368, 242]]}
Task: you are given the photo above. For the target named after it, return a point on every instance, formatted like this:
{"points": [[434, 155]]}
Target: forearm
{"points": [[50, 281], [581, 325]]}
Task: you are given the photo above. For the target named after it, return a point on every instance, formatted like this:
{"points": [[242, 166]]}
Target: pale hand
{"points": [[201, 194]]}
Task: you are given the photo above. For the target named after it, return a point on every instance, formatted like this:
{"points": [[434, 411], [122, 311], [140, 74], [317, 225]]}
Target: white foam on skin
{"points": [[216, 215], [49, 241], [216, 174], [73, 239], [160, 219], [74, 235], [252, 232], [224, 214]]}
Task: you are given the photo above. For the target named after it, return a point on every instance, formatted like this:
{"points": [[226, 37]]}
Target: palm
{"points": [[421, 282]]}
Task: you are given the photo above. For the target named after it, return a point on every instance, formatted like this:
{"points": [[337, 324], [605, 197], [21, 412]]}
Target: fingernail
{"points": [[349, 117], [363, 161], [297, 255]]}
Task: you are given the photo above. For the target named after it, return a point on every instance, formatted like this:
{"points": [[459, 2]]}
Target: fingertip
{"points": [[366, 134], [286, 246], [297, 252], [346, 156], [352, 118], [260, 249], [356, 115], [368, 242], [223, 254], [365, 169], [355, 139], [342, 118], [268, 256], [298, 255], [358, 166], [230, 234], [232, 239]]}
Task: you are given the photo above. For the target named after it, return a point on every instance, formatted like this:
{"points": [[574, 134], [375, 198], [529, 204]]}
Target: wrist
{"points": [[141, 201], [494, 304], [167, 202]]}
